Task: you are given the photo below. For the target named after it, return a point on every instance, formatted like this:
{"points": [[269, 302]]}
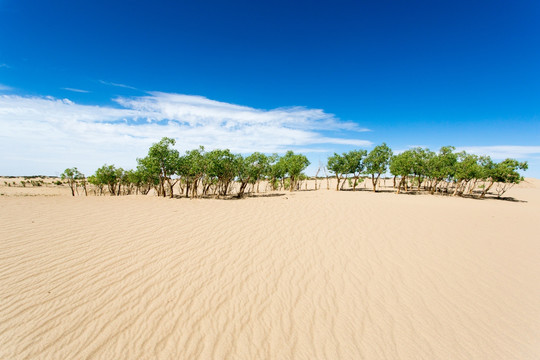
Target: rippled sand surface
{"points": [[309, 275]]}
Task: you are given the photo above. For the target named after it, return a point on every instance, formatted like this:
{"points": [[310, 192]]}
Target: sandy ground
{"points": [[309, 275]]}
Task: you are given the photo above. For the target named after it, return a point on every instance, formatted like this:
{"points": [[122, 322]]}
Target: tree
{"points": [[467, 168], [376, 162], [505, 174], [402, 165], [259, 166], [244, 173], [442, 167], [355, 164], [108, 175], [222, 164], [72, 175], [337, 164], [163, 161], [293, 165], [250, 170], [276, 170], [420, 161], [144, 178], [84, 183], [192, 168]]}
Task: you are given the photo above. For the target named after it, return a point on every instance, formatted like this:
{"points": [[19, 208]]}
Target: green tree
{"points": [[355, 164], [276, 171], [376, 162], [222, 164], [108, 175], [259, 165], [467, 169], [505, 174], [163, 160], [250, 170], [420, 161], [192, 168], [402, 165], [294, 164], [337, 164], [72, 175], [442, 167]]}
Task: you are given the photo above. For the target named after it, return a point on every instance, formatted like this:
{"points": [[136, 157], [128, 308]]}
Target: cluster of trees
{"points": [[219, 171], [359, 162], [422, 169], [197, 172]]}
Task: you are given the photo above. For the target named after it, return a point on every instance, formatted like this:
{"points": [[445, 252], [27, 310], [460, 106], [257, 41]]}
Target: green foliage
{"points": [[354, 160], [402, 164], [110, 176], [293, 165], [276, 170], [337, 165], [378, 159], [223, 165], [258, 165], [507, 171], [162, 162], [72, 175], [216, 171], [442, 166], [347, 163], [377, 162]]}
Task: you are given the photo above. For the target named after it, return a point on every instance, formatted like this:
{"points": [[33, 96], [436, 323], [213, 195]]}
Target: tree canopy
{"points": [[222, 172]]}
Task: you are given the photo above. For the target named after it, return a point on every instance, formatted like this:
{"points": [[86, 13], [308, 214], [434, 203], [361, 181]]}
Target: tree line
{"points": [[221, 172], [197, 172], [420, 169]]}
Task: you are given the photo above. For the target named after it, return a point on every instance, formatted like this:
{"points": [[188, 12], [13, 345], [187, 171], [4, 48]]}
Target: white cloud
{"points": [[5, 88], [108, 83], [75, 90], [501, 152], [45, 134]]}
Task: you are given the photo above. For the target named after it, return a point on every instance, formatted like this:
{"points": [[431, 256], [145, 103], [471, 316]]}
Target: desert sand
{"points": [[304, 275]]}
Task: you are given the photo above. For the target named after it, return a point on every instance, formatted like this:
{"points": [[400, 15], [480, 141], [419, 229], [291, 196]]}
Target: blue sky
{"points": [[85, 83]]}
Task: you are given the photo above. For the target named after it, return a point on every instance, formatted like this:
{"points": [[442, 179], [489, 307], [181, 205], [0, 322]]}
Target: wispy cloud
{"points": [[5, 88], [4, 66], [71, 134], [75, 90], [108, 83], [503, 151]]}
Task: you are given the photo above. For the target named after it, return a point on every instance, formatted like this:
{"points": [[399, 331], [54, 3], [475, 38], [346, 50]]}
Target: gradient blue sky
{"points": [[84, 83]]}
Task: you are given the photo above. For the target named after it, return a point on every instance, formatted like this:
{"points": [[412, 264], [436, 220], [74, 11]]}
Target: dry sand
{"points": [[309, 275]]}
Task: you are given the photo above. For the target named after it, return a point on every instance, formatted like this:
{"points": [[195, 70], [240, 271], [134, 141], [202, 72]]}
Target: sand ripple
{"points": [[312, 275]]}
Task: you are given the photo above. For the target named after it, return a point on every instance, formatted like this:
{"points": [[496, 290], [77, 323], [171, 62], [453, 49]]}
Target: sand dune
{"points": [[308, 275]]}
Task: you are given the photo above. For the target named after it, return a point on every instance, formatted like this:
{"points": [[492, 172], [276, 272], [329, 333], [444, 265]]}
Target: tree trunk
{"points": [[433, 187], [456, 189], [243, 186], [486, 189], [401, 181], [343, 183]]}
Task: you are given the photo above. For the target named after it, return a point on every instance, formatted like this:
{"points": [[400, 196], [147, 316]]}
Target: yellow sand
{"points": [[309, 275]]}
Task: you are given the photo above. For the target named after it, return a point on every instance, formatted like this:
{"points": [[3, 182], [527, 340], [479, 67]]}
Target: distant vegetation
{"points": [[222, 173]]}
